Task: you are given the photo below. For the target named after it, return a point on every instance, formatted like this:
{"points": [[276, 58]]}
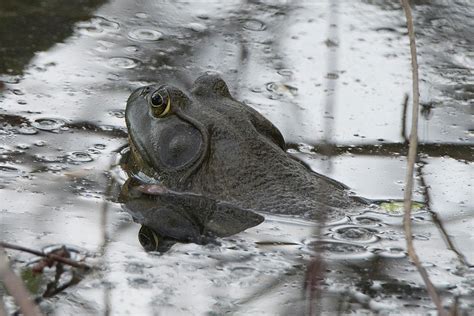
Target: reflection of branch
{"points": [[16, 288], [455, 151], [105, 235], [404, 119], [436, 219], [316, 268], [412, 155], [51, 256]]}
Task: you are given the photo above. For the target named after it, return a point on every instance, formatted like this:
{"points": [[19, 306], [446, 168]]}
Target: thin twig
{"points": [[51, 256], [404, 119], [412, 156], [16, 288]]}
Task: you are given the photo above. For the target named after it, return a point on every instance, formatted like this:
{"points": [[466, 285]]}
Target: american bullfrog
{"points": [[202, 164]]}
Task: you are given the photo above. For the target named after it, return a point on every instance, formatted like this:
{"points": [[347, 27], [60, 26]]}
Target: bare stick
{"points": [[16, 288], [412, 155], [51, 256]]}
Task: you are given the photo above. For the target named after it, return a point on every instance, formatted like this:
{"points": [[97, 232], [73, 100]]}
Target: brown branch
{"points": [[51, 256], [16, 288], [412, 156]]}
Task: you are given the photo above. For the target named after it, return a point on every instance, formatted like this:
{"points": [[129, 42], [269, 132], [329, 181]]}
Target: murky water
{"points": [[62, 100]]}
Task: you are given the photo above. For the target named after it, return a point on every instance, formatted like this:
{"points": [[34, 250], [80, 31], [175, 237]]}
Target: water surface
{"points": [[62, 97]]}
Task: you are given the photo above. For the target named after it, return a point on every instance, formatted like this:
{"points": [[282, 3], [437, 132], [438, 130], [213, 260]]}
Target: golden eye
{"points": [[160, 103]]}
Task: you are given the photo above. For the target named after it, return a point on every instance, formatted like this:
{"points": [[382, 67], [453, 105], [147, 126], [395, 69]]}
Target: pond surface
{"points": [[321, 72]]}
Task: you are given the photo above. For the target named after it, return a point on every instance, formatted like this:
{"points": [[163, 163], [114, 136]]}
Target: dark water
{"points": [[67, 69]]}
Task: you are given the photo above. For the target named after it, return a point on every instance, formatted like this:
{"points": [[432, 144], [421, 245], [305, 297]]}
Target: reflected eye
{"points": [[160, 103], [148, 239]]}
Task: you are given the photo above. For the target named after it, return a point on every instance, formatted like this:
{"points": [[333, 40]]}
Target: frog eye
{"points": [[160, 103]]}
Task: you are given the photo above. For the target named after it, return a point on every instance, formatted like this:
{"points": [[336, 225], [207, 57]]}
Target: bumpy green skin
{"points": [[237, 155]]}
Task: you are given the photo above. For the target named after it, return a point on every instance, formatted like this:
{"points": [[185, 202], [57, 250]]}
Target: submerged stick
{"points": [[51, 256], [412, 155], [16, 288]]}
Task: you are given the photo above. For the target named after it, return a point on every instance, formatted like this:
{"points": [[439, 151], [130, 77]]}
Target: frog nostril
{"points": [[144, 91]]}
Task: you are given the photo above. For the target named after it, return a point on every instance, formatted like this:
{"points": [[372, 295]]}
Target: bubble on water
{"points": [[421, 237], [104, 46], [122, 62], [18, 92], [354, 233], [390, 252], [40, 143], [202, 16], [141, 15], [117, 113], [100, 146], [79, 156], [48, 124], [367, 220], [281, 89], [106, 23], [253, 25], [338, 249], [48, 158], [113, 77], [26, 130], [93, 151], [23, 146], [97, 25], [55, 167], [22, 102], [145, 35], [131, 49], [285, 72], [197, 27]]}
